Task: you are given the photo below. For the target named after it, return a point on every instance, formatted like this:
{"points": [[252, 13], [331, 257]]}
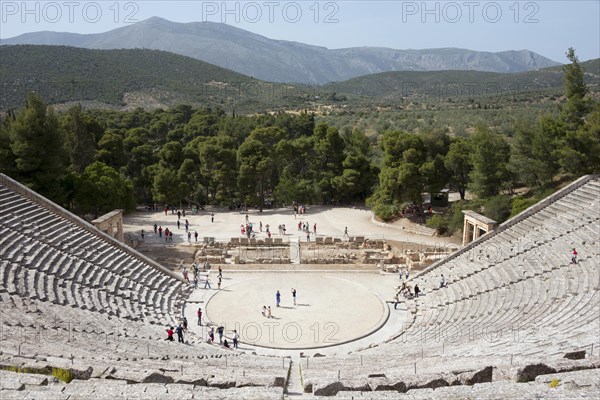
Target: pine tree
{"points": [[38, 148]]}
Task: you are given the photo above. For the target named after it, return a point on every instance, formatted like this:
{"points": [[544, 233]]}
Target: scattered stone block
{"points": [[575, 355]]}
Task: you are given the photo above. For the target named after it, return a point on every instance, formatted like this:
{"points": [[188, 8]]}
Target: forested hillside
{"points": [[96, 160], [62, 74], [457, 85]]}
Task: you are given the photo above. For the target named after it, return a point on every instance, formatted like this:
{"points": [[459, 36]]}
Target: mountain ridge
{"points": [[275, 60], [158, 79]]}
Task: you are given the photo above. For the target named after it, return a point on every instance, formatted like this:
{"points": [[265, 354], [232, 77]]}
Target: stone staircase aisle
{"points": [[295, 389]]}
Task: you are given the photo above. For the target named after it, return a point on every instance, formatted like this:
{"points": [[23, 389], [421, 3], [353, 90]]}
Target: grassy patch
{"points": [[64, 375]]}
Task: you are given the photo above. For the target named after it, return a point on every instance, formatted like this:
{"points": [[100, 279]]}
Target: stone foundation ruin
{"points": [[324, 250]]}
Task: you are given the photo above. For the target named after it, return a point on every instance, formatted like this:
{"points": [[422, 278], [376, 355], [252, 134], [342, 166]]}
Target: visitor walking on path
{"points": [[235, 338], [170, 333], [199, 313], [212, 217], [220, 331], [269, 315], [346, 232], [278, 298], [294, 295], [396, 300], [179, 331], [574, 256], [207, 283]]}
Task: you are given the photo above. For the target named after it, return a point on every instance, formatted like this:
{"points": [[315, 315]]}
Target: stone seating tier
{"points": [[49, 258], [513, 296]]}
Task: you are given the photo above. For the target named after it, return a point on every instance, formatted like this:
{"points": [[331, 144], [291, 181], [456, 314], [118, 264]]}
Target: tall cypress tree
{"points": [[577, 105]]}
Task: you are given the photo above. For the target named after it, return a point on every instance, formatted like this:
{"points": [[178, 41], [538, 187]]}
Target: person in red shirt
{"points": [[170, 334], [574, 256], [199, 316]]}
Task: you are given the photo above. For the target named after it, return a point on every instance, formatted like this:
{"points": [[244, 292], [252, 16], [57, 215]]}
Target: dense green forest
{"points": [[92, 161]]}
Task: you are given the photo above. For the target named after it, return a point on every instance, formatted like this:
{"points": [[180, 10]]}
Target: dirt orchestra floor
{"points": [[329, 309], [340, 308]]}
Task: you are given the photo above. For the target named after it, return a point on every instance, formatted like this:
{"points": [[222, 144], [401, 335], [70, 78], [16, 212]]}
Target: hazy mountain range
{"points": [[283, 61], [159, 79]]}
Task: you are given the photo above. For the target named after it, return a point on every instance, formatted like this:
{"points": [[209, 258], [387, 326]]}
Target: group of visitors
{"points": [[305, 227], [222, 339], [248, 230], [169, 233], [298, 209], [196, 270], [281, 229], [406, 291], [405, 274], [266, 310], [220, 330], [182, 327]]}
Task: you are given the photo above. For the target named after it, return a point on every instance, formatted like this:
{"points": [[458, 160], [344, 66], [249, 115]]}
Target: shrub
{"points": [[385, 211], [64, 375], [498, 208], [439, 223], [521, 203], [554, 383]]}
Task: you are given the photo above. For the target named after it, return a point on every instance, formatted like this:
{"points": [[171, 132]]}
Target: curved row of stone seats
{"points": [[87, 336], [35, 386], [137, 360], [328, 375], [222, 371], [546, 300], [567, 385], [70, 286], [49, 255], [65, 330], [507, 296], [545, 260]]}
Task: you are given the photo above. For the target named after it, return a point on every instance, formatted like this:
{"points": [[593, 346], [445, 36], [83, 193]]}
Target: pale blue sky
{"points": [[545, 27]]}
